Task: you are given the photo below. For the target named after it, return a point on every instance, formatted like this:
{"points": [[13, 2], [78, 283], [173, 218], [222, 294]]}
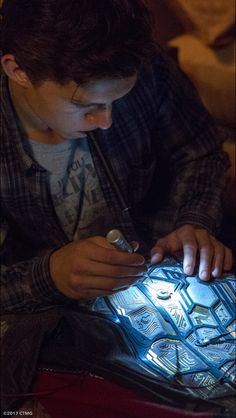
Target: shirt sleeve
{"points": [[26, 286], [191, 149]]}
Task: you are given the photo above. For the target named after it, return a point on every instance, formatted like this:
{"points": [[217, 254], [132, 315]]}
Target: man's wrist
{"points": [[42, 279]]}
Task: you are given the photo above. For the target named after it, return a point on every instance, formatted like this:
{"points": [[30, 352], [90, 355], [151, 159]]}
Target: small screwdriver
{"points": [[116, 238]]}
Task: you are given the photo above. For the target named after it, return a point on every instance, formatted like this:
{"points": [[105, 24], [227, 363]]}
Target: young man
{"points": [[100, 131]]}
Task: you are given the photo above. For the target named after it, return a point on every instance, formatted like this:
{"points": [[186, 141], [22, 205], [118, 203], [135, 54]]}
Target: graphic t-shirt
{"points": [[77, 196]]}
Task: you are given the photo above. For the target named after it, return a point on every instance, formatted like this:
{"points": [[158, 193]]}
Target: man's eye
{"points": [[81, 106], [91, 107]]}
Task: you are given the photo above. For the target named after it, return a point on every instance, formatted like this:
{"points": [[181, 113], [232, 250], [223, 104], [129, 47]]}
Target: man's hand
{"points": [[92, 267], [214, 256]]}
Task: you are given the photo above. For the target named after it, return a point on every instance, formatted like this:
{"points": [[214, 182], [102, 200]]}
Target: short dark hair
{"points": [[77, 40]]}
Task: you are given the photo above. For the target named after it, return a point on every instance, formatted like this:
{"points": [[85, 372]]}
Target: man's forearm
{"points": [[199, 192], [27, 286]]}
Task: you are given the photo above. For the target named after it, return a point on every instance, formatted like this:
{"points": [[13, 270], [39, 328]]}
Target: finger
{"points": [[93, 268], [228, 261], [107, 284], [190, 253], [190, 247], [129, 282], [188, 243], [120, 258], [206, 252], [169, 244], [101, 242], [157, 254], [108, 255], [218, 259]]}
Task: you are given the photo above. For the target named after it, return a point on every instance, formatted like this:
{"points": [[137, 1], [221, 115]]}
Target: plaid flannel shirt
{"points": [[165, 154]]}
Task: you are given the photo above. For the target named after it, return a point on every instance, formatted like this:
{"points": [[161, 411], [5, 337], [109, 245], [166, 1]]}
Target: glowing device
{"points": [[181, 328]]}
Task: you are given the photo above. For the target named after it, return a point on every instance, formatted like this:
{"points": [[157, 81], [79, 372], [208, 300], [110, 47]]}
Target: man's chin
{"points": [[82, 134], [76, 135]]}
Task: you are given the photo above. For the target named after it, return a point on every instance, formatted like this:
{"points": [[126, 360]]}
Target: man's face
{"points": [[71, 111]]}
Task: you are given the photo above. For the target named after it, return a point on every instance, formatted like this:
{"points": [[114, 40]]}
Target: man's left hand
{"points": [[215, 258]]}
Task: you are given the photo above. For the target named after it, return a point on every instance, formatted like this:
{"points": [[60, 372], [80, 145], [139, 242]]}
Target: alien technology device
{"points": [[182, 330], [116, 238]]}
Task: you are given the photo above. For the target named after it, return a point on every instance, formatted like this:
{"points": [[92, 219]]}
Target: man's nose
{"points": [[101, 118]]}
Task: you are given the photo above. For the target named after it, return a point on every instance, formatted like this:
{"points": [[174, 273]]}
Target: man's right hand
{"points": [[92, 267]]}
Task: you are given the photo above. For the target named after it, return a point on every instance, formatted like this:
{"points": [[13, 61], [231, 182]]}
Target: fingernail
{"points": [[139, 261], [188, 270], [204, 275], [215, 273], [155, 258]]}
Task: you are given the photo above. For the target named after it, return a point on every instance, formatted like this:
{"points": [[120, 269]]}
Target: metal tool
{"points": [[116, 238]]}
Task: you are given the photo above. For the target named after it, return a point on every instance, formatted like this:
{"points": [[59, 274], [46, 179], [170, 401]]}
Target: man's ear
{"points": [[13, 71]]}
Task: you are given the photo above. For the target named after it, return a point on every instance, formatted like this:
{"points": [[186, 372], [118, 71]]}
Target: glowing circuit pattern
{"points": [[183, 329]]}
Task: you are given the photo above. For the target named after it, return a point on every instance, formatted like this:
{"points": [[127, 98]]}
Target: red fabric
{"points": [[93, 397]]}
